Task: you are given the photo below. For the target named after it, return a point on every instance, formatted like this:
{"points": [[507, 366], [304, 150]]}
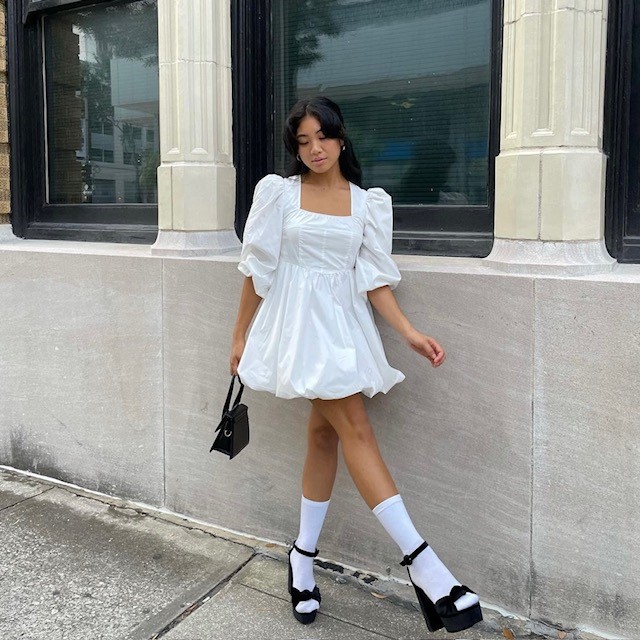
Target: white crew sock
{"points": [[312, 515], [426, 570]]}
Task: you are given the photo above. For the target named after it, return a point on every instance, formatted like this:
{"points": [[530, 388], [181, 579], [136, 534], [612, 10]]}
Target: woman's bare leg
{"points": [[348, 417], [321, 463], [318, 477]]}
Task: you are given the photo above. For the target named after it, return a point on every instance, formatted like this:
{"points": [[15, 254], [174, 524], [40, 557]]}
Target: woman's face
{"points": [[318, 152]]}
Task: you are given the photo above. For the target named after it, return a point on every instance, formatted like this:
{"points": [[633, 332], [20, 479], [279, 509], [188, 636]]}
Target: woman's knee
{"points": [[349, 420], [322, 435], [324, 438], [359, 431]]}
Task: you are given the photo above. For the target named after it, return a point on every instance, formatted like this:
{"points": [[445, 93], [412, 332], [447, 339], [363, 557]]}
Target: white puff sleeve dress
{"points": [[314, 334]]}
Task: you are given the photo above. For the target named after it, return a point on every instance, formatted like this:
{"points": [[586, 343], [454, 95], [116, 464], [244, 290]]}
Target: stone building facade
{"points": [[518, 459]]}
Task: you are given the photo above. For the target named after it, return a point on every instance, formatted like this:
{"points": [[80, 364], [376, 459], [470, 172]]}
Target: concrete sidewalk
{"points": [[80, 566]]}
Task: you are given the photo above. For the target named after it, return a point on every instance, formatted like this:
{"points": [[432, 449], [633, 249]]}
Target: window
{"points": [[622, 132], [84, 87], [418, 85]]}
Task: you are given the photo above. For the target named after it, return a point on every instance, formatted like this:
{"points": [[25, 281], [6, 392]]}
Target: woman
{"points": [[316, 250]]}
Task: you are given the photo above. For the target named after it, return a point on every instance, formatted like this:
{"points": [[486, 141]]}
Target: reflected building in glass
{"points": [[101, 66]]}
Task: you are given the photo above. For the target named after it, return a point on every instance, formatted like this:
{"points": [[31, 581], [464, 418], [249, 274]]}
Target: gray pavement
{"points": [[76, 566]]}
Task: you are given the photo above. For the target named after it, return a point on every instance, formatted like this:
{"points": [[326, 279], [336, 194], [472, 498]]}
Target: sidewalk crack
{"points": [[196, 604], [15, 504], [322, 613]]}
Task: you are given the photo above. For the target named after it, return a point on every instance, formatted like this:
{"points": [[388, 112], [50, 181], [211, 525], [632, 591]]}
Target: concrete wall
{"points": [[518, 459], [81, 369]]}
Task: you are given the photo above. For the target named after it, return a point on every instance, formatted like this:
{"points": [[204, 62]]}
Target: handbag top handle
{"points": [[230, 393]]}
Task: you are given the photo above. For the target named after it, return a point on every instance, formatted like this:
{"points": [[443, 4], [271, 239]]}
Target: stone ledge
{"points": [[194, 243], [547, 258]]}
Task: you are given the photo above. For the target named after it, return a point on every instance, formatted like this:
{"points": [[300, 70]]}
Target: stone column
{"points": [[550, 174], [196, 178]]}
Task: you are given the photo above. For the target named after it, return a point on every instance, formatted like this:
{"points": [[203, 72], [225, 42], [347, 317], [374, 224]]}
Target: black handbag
{"points": [[233, 430]]}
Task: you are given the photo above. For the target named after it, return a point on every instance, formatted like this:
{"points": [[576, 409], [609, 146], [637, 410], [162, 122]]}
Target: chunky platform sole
{"points": [[431, 617], [300, 596], [457, 622], [304, 618], [444, 613]]}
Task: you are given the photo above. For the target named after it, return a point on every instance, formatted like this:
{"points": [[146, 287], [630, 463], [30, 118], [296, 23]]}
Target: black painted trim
{"points": [[31, 216], [616, 141], [100, 214], [252, 109], [461, 244], [92, 232], [24, 126], [460, 231], [451, 219]]}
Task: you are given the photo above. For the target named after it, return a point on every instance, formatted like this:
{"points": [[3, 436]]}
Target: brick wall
{"points": [[5, 202]]}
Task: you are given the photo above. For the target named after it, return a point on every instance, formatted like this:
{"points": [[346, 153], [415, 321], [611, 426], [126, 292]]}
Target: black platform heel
{"points": [[298, 596], [443, 613]]}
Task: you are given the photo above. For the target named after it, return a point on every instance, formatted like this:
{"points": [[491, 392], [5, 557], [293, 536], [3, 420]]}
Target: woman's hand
{"points": [[426, 346], [237, 347]]}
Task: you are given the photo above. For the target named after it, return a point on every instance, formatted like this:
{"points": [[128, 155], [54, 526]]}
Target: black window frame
{"points": [[253, 138], [623, 246], [31, 216]]}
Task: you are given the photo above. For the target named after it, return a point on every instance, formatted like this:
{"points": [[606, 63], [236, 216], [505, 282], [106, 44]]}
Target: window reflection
{"points": [[412, 79], [101, 66]]}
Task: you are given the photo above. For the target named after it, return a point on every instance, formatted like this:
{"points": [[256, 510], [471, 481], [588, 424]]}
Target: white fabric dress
{"points": [[314, 334]]}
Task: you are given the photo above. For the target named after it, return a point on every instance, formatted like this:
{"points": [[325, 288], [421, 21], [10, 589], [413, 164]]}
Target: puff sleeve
{"points": [[374, 265], [263, 234]]}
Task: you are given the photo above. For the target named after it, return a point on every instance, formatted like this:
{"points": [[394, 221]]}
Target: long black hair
{"points": [[331, 121]]}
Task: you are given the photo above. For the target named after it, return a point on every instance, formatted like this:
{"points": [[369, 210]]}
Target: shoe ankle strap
{"points": [[408, 559], [306, 553]]}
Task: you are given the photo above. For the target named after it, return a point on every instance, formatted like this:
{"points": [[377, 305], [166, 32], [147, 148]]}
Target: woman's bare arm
{"points": [[385, 303], [249, 303]]}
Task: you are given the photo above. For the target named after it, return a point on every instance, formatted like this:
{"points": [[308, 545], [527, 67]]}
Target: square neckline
{"points": [[321, 213]]}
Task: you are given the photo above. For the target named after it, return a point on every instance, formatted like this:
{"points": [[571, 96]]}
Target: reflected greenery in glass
{"points": [[412, 79]]}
